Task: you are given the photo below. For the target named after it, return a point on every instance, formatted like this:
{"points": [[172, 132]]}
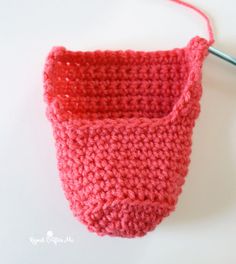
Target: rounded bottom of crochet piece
{"points": [[120, 219]]}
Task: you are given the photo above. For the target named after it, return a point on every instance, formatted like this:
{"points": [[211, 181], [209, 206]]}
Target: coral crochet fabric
{"points": [[123, 122]]}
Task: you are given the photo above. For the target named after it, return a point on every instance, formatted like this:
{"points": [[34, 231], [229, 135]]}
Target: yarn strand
{"points": [[209, 26]]}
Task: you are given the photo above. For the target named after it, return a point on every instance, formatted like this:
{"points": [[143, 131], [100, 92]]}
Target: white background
{"points": [[203, 228]]}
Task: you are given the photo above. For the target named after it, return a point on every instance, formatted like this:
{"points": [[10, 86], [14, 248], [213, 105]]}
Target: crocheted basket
{"points": [[122, 122]]}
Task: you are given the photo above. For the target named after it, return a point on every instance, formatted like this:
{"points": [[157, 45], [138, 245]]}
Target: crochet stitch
{"points": [[122, 123]]}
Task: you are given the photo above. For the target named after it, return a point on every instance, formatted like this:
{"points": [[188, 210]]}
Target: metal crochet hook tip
{"points": [[222, 55]]}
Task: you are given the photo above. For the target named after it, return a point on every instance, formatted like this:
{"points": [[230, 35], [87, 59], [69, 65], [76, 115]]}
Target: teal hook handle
{"points": [[222, 55]]}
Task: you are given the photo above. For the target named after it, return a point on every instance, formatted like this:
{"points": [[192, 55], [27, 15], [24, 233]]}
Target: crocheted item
{"points": [[123, 122]]}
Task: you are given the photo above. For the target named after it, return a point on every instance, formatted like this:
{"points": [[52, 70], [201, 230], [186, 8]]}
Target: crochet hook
{"points": [[211, 49], [222, 55]]}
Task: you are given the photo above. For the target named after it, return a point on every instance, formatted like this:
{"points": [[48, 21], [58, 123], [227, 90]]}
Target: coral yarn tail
{"points": [[209, 27]]}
